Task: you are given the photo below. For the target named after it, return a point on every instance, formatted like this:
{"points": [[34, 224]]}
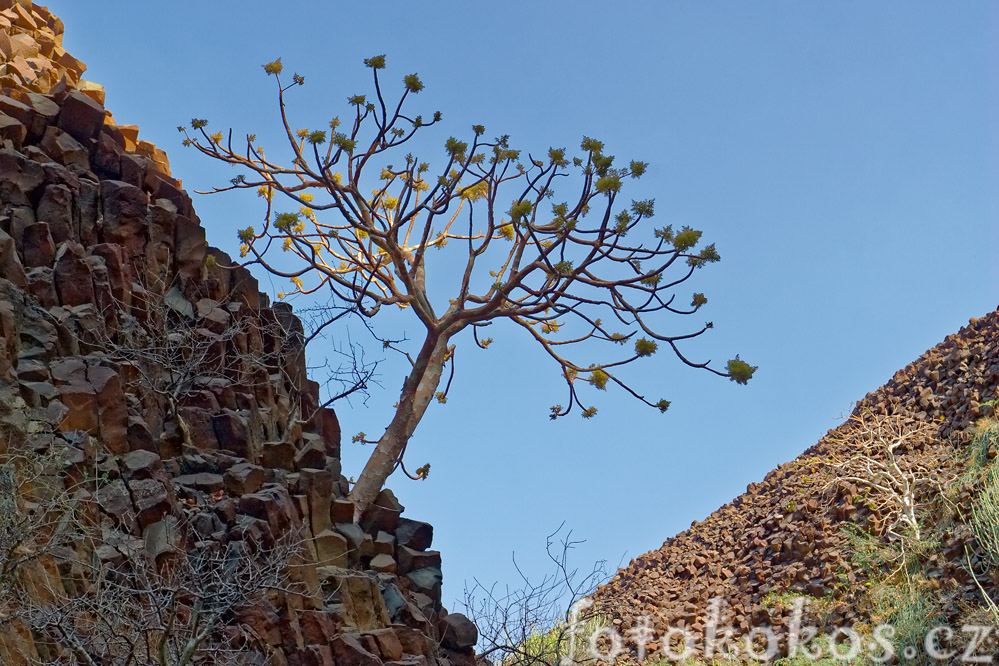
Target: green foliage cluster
{"points": [[985, 516], [898, 591], [740, 371]]}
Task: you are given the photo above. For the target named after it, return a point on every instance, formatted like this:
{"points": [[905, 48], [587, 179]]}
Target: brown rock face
{"points": [[164, 380], [785, 535]]}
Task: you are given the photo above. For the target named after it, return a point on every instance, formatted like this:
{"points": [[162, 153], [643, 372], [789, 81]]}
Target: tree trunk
{"points": [[417, 392]]}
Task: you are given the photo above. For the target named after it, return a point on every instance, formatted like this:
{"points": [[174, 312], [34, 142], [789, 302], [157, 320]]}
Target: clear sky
{"points": [[842, 156]]}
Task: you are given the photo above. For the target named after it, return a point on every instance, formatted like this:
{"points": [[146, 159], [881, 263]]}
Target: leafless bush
{"points": [[137, 612], [95, 596], [894, 483], [544, 622], [173, 348], [37, 513]]}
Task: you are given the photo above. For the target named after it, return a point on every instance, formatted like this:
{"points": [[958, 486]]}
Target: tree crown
{"points": [[570, 270]]}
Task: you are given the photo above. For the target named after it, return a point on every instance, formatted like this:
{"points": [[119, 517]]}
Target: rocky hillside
{"points": [[805, 528], [172, 398]]}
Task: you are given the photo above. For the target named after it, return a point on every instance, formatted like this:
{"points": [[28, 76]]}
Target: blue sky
{"points": [[842, 156]]}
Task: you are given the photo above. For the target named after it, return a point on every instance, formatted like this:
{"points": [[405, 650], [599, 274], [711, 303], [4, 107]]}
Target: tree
{"points": [[571, 273]]}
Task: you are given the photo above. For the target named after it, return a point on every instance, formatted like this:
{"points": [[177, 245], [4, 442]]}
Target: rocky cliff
{"points": [[174, 397], [791, 533]]}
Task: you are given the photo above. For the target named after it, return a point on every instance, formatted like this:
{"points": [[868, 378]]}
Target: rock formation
{"points": [[175, 394], [784, 536]]}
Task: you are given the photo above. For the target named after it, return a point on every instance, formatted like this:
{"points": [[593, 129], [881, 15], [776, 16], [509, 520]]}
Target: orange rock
{"points": [[44, 13], [60, 55], [23, 19], [24, 45], [39, 64], [161, 160], [46, 42], [57, 28], [146, 149], [21, 67], [94, 91], [10, 80], [131, 134]]}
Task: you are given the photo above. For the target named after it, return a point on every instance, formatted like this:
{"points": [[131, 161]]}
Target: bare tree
{"points": [[571, 274]]}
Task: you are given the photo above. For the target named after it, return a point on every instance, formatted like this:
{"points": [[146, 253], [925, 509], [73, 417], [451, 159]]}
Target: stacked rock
{"points": [[785, 535], [175, 393]]}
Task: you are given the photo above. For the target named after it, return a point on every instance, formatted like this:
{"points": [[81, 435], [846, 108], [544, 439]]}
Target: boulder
{"points": [[382, 514], [73, 279], [56, 210], [112, 414], [204, 481], [272, 504], [37, 246], [341, 510], [384, 543], [14, 109], [200, 426], [80, 400], [278, 455], [139, 437], [243, 479], [141, 465], [383, 563], [361, 544], [81, 116], [153, 500], [19, 178], [164, 539], [331, 549], [414, 534], [114, 499], [348, 651], [364, 609], [45, 112], [12, 130], [317, 485], [64, 149], [107, 157], [458, 632], [189, 244], [233, 433], [428, 581], [312, 454], [389, 646], [124, 209], [41, 283], [410, 560], [10, 264]]}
